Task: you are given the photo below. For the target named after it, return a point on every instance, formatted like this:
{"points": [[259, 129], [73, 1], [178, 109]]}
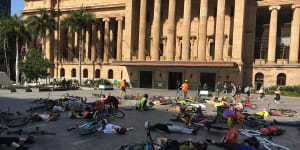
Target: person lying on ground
{"points": [[142, 104], [87, 114], [110, 100], [170, 128], [111, 128], [188, 118], [186, 145], [44, 117], [248, 144], [14, 142]]}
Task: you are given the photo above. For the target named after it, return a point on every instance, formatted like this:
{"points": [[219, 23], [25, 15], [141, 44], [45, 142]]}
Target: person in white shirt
{"points": [[111, 128]]}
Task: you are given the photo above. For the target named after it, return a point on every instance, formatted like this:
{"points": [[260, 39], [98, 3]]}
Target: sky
{"points": [[16, 5]]}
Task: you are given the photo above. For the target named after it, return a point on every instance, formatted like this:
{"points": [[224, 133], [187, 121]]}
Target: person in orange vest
{"points": [[184, 88], [123, 87]]}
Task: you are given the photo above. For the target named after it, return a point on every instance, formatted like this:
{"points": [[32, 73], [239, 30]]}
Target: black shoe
{"points": [[210, 141], [275, 122], [29, 140], [22, 148]]}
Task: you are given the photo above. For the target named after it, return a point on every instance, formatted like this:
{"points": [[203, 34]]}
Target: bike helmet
{"points": [[146, 95]]}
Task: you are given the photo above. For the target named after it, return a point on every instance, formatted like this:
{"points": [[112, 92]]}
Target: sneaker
{"points": [[22, 148], [29, 140]]}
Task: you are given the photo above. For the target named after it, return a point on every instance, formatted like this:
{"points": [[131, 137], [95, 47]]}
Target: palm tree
{"points": [[5, 30], [40, 24], [18, 26], [79, 21]]}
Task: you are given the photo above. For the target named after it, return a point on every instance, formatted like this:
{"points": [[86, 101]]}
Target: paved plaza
{"points": [[65, 140]]}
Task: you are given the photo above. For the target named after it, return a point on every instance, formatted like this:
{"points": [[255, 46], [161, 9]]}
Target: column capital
{"points": [[295, 6], [121, 18], [105, 19], [274, 8]]}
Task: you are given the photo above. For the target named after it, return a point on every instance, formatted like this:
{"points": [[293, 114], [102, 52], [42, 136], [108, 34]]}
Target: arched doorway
{"points": [[259, 80]]}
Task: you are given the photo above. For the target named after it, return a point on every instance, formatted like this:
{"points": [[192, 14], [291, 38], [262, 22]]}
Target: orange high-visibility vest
{"points": [[122, 84], [185, 87]]}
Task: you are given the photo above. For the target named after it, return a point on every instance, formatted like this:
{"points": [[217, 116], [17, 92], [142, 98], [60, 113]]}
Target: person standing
{"points": [[247, 90], [64, 82], [218, 88], [184, 88], [178, 86], [123, 87], [262, 93], [199, 89], [233, 91], [277, 95], [238, 93], [225, 88]]}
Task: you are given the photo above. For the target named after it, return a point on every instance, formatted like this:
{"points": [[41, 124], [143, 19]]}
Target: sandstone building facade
{"points": [[152, 43]]}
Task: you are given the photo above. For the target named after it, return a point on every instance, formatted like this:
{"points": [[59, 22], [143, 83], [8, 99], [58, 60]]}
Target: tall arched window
{"points": [[110, 74], [73, 73], [281, 79], [85, 73], [259, 80], [97, 73], [62, 72]]}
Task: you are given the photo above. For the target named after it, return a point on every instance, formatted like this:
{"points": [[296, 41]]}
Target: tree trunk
{"points": [[17, 60], [44, 47], [6, 59]]}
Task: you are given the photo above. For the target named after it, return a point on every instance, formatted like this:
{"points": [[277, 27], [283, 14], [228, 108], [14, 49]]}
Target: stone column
{"points": [[119, 40], [70, 44], [76, 44], [156, 31], [238, 31], [202, 30], [142, 30], [94, 41], [186, 30], [106, 39], [273, 34], [220, 24], [171, 30], [294, 47], [87, 45]]}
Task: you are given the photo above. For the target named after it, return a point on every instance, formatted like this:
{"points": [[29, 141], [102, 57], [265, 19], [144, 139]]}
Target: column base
{"points": [[293, 62], [177, 58]]}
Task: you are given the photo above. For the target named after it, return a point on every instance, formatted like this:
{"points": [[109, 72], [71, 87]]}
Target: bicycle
{"points": [[106, 113], [17, 122], [148, 145], [86, 128], [263, 141]]}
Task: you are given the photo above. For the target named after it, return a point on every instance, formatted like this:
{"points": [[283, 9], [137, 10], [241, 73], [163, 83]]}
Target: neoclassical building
{"points": [[153, 43]]}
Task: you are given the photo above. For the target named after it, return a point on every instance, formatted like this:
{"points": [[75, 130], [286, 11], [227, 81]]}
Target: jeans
{"points": [[179, 129], [178, 94], [277, 97], [290, 123], [262, 95]]}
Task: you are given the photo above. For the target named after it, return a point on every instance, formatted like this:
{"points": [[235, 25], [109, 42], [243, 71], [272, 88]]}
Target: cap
{"points": [[185, 80], [123, 79]]}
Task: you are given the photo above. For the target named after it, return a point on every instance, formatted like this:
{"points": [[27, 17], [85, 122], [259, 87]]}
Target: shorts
{"points": [[185, 93], [123, 89]]}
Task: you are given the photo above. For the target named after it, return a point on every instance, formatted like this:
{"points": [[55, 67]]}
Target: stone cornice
{"points": [[276, 66], [67, 9], [276, 2], [274, 7]]}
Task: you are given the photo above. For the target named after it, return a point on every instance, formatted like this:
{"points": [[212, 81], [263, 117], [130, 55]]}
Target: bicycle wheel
{"points": [[117, 113], [17, 122], [100, 115]]}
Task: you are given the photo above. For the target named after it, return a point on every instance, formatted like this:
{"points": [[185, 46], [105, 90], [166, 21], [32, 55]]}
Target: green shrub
{"points": [[293, 91]]}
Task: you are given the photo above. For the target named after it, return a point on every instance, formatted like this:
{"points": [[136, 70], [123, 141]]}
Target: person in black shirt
{"points": [[169, 128]]}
